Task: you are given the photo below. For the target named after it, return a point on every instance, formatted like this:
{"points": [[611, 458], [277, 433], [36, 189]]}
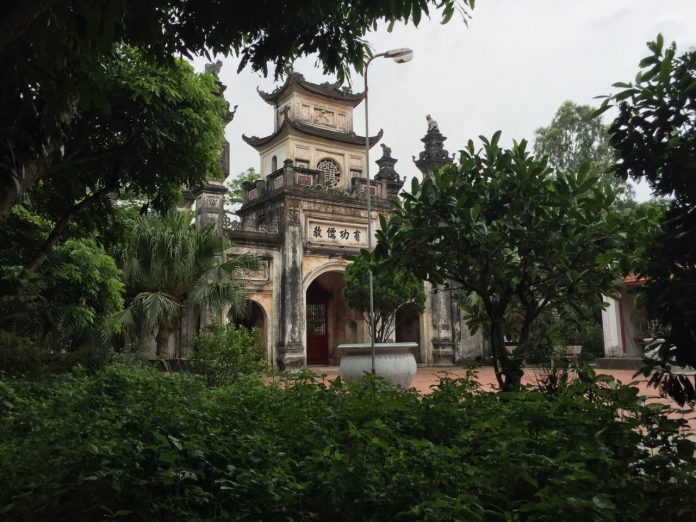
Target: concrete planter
{"points": [[393, 362]]}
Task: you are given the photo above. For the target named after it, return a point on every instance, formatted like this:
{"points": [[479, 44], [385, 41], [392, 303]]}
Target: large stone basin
{"points": [[393, 362]]}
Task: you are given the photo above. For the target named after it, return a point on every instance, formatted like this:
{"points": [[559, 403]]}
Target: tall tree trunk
{"points": [[508, 368], [498, 349], [164, 333], [512, 369]]}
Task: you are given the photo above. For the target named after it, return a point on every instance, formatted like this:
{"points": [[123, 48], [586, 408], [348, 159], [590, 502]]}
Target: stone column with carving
{"points": [[442, 307], [434, 152], [387, 174], [209, 209], [291, 327], [210, 204], [442, 327]]}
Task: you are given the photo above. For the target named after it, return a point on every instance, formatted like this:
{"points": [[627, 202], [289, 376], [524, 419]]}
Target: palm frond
{"points": [[125, 322], [216, 296], [235, 265], [155, 308], [169, 262]]}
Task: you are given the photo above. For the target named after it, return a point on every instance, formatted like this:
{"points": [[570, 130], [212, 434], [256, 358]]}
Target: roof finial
{"points": [[214, 68], [387, 173], [432, 124], [434, 152]]}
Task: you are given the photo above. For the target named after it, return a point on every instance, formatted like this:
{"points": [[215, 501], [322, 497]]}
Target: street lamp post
{"points": [[401, 55]]}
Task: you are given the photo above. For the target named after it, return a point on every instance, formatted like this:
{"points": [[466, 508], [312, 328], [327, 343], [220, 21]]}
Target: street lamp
{"points": [[400, 55]]}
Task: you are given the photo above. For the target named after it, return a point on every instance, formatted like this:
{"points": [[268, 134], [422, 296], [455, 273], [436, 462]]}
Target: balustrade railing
{"points": [[301, 176]]}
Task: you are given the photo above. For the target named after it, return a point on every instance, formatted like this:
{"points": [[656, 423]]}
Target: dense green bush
{"points": [[132, 443], [223, 353], [23, 356], [552, 331]]}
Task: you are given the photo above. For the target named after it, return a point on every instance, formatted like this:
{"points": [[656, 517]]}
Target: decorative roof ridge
{"points": [[326, 89], [386, 165], [345, 137]]}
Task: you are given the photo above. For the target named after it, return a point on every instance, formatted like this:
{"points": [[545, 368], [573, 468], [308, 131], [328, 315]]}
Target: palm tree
{"points": [[171, 266]]}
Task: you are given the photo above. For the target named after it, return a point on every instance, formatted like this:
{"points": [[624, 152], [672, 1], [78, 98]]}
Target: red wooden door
{"points": [[317, 327]]}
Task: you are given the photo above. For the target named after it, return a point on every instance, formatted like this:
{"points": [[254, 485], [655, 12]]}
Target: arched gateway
{"points": [[254, 317], [330, 321], [307, 216]]}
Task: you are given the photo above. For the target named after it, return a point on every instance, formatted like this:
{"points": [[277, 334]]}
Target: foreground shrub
{"points": [[223, 353], [23, 356], [133, 443]]}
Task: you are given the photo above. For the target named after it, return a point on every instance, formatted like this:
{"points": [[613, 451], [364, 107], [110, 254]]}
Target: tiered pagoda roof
{"points": [[333, 91], [349, 138]]}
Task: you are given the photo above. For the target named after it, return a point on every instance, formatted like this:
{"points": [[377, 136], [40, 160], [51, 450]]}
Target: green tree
{"points": [[392, 290], [36, 305], [655, 137], [74, 295], [235, 195], [164, 129], [223, 353], [170, 267], [52, 55], [574, 138], [518, 237]]}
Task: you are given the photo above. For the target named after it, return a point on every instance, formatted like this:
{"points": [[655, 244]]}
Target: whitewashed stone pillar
{"points": [[611, 328], [441, 315], [291, 327]]}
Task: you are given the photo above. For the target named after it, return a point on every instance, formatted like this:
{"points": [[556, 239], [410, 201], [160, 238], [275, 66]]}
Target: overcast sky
{"points": [[509, 69]]}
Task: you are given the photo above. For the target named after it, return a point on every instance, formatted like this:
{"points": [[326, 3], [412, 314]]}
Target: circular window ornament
{"points": [[331, 170]]}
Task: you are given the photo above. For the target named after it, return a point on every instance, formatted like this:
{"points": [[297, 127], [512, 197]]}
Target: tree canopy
{"points": [[72, 295], [170, 265], [655, 137], [163, 128], [53, 52], [574, 137], [235, 194], [517, 236], [393, 289], [75, 294]]}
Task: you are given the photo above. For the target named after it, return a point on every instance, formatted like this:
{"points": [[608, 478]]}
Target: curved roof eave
{"points": [[311, 130], [326, 90]]}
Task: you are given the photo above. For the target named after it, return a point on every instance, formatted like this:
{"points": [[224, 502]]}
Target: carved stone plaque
{"points": [[271, 228], [324, 117], [301, 152], [335, 233], [261, 276], [304, 180]]}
